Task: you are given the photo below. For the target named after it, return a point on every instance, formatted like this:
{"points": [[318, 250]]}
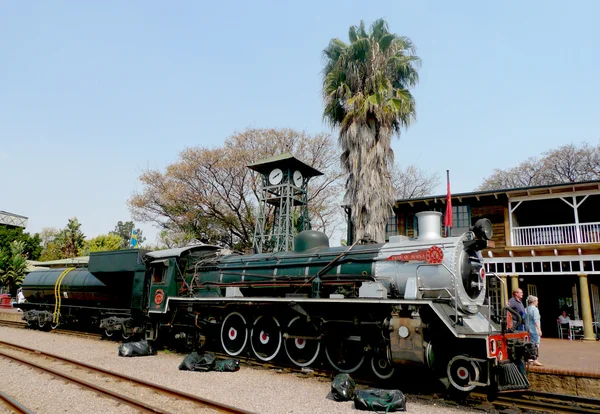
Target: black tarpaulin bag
{"points": [[206, 362], [342, 387], [139, 348], [228, 365], [379, 400], [189, 362]]}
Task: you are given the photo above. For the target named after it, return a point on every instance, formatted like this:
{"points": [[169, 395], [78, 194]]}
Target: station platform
{"points": [[12, 315], [570, 367]]}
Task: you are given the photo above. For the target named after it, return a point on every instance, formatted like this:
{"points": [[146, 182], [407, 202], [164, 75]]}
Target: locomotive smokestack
{"points": [[430, 225]]}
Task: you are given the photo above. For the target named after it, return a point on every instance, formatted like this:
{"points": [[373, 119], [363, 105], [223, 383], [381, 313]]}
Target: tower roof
{"points": [[285, 160]]}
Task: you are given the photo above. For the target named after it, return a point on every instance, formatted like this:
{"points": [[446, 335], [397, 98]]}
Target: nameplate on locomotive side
{"points": [[433, 255]]}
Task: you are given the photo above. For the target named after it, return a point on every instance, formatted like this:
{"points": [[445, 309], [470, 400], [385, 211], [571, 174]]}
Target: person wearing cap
{"points": [[516, 304], [532, 322]]}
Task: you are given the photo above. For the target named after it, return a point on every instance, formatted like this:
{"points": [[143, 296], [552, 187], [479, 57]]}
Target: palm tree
{"points": [[365, 88], [13, 266]]}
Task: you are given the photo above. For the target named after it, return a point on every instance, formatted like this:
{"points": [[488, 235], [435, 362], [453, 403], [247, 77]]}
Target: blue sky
{"points": [[94, 93]]}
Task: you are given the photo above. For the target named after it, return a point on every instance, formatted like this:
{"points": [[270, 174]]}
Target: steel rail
{"points": [[84, 334], [166, 390], [545, 402], [14, 404]]}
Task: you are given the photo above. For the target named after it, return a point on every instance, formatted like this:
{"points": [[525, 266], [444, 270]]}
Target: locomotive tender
{"points": [[408, 301]]}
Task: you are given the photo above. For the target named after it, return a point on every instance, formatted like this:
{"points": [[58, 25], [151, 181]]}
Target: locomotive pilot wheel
{"points": [[302, 347], [265, 337], [234, 334], [461, 371]]}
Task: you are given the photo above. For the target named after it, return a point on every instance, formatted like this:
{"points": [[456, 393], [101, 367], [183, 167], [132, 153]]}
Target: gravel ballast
{"points": [[253, 389]]}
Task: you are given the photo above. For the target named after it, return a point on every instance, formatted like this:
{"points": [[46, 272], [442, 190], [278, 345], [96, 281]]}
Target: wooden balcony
{"points": [[557, 234]]}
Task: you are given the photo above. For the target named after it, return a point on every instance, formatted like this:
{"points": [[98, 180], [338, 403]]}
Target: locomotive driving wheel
{"points": [[265, 337], [301, 344], [345, 351], [234, 334], [381, 363]]}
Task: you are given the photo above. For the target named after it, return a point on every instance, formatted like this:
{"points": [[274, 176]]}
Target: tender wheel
{"points": [[265, 337], [345, 353], [55, 325], [31, 324], [461, 371], [43, 325], [381, 364], [108, 333], [234, 334], [304, 350]]}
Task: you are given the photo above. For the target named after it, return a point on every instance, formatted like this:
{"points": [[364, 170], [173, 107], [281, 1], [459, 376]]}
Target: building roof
{"points": [[510, 192], [11, 219], [285, 160]]}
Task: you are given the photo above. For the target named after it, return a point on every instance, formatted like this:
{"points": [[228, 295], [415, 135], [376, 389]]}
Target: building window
{"points": [[391, 227], [461, 220]]}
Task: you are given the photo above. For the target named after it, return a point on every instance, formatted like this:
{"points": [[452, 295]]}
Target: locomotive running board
{"points": [[438, 308]]}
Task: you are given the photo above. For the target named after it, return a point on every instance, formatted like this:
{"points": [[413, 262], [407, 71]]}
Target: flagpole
{"points": [[448, 216]]}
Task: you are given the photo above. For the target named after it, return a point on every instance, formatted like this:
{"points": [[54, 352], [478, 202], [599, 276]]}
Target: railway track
{"points": [[15, 324], [531, 400], [13, 405], [87, 376], [540, 402]]}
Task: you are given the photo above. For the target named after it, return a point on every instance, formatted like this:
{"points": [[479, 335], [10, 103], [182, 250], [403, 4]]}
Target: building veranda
{"points": [[547, 242]]}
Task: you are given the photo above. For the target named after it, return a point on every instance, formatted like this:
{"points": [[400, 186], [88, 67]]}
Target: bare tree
{"points": [[411, 182], [566, 164], [211, 192]]}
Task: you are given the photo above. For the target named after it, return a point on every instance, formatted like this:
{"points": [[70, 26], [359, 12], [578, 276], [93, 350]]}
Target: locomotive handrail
{"points": [[489, 302], [57, 295], [454, 297]]}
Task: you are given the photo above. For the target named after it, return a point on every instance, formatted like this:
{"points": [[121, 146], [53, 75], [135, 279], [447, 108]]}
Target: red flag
{"points": [[448, 215]]}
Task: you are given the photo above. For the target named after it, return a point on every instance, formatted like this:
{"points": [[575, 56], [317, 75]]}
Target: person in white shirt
{"points": [[564, 318]]}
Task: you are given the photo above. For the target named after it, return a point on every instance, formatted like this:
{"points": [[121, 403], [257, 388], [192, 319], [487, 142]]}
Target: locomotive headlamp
{"points": [[483, 229]]}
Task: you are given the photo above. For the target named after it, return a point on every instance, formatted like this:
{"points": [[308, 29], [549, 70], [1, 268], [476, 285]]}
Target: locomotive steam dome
{"points": [[309, 240]]}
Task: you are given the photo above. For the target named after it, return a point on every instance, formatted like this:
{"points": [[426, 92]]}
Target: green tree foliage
{"points": [[209, 194], [13, 265], [567, 164], [32, 244], [63, 244], [50, 242], [366, 92], [123, 230], [102, 243]]}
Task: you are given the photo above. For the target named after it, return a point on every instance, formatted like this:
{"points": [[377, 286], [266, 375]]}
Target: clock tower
{"points": [[283, 196]]}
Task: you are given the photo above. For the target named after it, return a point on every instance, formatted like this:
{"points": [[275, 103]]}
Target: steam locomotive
{"points": [[408, 301]]}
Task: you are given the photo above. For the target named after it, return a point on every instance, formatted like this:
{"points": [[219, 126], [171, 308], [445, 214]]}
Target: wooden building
{"points": [[547, 242]]}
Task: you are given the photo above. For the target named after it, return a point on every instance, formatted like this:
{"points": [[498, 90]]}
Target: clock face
{"points": [[275, 176], [297, 178]]}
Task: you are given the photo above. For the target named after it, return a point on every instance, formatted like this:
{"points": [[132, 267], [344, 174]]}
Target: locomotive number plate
{"points": [[433, 255]]}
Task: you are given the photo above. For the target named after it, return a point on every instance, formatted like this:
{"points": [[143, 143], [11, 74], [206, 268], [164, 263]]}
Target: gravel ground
{"points": [[253, 389]]}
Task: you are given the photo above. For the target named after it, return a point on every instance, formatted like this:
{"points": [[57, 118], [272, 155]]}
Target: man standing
{"points": [[517, 305]]}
